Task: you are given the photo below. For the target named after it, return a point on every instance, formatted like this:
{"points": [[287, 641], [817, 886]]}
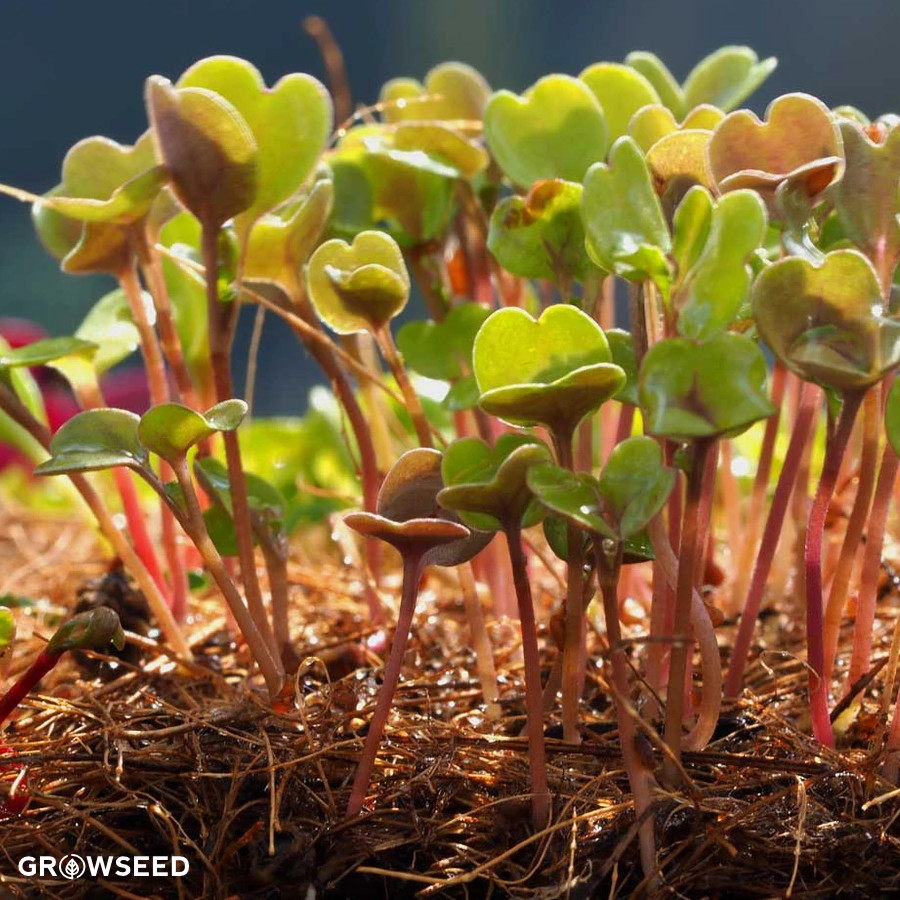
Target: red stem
{"points": [[744, 556], [818, 683], [537, 760], [856, 524], [412, 571], [137, 528], [868, 588], [638, 774], [574, 609], [220, 319], [764, 558], [27, 682], [687, 561]]}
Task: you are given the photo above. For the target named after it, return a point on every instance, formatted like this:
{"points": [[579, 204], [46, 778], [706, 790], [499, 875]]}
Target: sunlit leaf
{"points": [[555, 130], [359, 286]]}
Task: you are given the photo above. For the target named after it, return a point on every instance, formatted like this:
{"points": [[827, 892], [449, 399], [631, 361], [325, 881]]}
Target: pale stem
{"points": [[784, 489], [856, 525], [411, 398], [639, 777], [537, 754], [220, 334], [269, 664]]}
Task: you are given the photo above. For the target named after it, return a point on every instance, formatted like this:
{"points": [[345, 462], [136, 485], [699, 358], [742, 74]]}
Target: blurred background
{"points": [[73, 69]]}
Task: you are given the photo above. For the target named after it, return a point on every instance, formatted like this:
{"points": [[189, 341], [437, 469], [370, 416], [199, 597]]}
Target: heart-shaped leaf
{"points": [[290, 123], [692, 390], [103, 181], [573, 495], [709, 294], [23, 384], [82, 247], [462, 395], [677, 163], [359, 286], [726, 78], [632, 488], [552, 371], [865, 198], [653, 123], [798, 145], [410, 518], [170, 429], [486, 486], [278, 247], [95, 439], [452, 90], [110, 325], [468, 157], [723, 79], [443, 350], [635, 484], [541, 235], [625, 229], [823, 321], [208, 149], [262, 496], [621, 91], [407, 193], [91, 630], [555, 130], [72, 356], [657, 73]]}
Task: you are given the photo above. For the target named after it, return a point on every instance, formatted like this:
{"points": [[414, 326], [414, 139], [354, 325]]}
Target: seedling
{"points": [[552, 372], [409, 519], [101, 439], [87, 631], [360, 288], [818, 319], [631, 490], [487, 488], [515, 216]]}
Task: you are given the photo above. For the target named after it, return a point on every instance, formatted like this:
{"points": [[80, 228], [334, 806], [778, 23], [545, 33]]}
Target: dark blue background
{"points": [[70, 69]]}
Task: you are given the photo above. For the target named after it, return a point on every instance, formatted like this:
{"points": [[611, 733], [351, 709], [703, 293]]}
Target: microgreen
{"points": [[515, 216], [408, 517]]}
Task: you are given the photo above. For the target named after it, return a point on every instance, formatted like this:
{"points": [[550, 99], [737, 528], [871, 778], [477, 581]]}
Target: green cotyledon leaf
{"points": [[556, 129], [359, 286], [824, 321], [691, 390], [552, 371], [486, 485], [625, 229]]}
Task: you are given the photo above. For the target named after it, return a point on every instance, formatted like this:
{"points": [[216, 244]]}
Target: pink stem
{"points": [[537, 761], [638, 774], [771, 534], [137, 528], [26, 683], [744, 555], [818, 682], [868, 588], [412, 571], [687, 559], [859, 515]]}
